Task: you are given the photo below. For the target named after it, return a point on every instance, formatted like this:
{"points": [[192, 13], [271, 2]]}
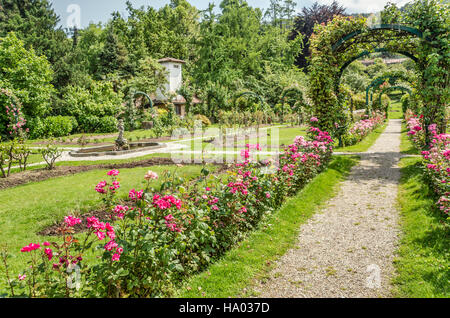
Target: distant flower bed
{"points": [[436, 159], [362, 128], [159, 236]]}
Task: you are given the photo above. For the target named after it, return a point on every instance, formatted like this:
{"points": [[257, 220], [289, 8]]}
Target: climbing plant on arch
{"points": [[392, 77], [423, 33], [394, 88]]}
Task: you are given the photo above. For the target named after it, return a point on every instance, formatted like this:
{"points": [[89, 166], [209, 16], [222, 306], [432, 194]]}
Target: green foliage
{"points": [[306, 20], [27, 75], [150, 76], [88, 105], [36, 23], [107, 124], [58, 126], [432, 51], [113, 57], [359, 101], [205, 120], [50, 154]]}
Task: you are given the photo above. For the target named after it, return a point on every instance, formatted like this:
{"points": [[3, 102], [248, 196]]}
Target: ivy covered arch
{"points": [[423, 34], [298, 93], [365, 53], [394, 88], [249, 93], [392, 77]]}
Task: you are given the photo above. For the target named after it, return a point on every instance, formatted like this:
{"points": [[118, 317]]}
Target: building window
{"points": [[178, 110]]}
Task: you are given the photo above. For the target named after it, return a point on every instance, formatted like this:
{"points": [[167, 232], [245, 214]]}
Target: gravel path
{"points": [[347, 249]]}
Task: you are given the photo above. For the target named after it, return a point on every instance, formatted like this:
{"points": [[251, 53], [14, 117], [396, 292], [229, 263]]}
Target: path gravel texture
{"points": [[347, 249]]}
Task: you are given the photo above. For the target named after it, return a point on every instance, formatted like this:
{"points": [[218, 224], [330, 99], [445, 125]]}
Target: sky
{"points": [[82, 12]]}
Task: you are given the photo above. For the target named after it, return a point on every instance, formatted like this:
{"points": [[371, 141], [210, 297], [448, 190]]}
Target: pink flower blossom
{"points": [[150, 175], [31, 247], [49, 253], [113, 173], [71, 221], [135, 195], [111, 245]]}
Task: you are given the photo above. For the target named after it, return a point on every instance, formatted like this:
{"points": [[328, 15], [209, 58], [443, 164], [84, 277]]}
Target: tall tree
{"points": [[27, 75], [35, 22], [114, 56], [305, 21]]}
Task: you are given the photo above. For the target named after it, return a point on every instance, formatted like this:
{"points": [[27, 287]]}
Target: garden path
{"points": [[347, 249]]}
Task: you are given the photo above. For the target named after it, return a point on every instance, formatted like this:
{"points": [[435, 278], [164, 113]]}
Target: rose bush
{"points": [[362, 128], [436, 158], [159, 236]]}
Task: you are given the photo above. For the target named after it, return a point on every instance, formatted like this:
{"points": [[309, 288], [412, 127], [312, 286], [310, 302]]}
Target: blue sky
{"points": [[100, 10]]}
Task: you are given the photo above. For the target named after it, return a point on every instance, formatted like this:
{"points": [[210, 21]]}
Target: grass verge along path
{"points": [[366, 143], [235, 272], [423, 258]]}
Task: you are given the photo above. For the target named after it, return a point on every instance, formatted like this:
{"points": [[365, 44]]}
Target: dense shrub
{"points": [[205, 120], [88, 123], [107, 124], [89, 105], [362, 128], [58, 126], [27, 75], [37, 128], [436, 158], [359, 101]]}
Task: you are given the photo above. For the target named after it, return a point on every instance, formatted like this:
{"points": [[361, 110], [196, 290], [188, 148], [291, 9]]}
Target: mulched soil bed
{"points": [[101, 213], [55, 230], [36, 175]]}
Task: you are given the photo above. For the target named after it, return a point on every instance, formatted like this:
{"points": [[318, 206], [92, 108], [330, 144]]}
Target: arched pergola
{"points": [[393, 88], [145, 95], [365, 53], [249, 93], [422, 34], [344, 41], [392, 77]]}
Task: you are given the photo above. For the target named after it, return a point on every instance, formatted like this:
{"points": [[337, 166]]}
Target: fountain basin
{"points": [[109, 150]]}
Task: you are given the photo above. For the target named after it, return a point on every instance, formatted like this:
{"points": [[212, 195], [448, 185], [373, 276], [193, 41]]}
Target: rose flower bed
{"points": [[151, 245], [362, 128], [436, 159]]}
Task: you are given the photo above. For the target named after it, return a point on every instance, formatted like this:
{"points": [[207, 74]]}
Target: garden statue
{"points": [[121, 142]]}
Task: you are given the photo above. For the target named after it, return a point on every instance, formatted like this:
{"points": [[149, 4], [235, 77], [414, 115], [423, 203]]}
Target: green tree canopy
{"points": [[27, 75]]}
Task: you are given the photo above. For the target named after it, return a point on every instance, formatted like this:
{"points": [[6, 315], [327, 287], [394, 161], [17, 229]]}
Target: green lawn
{"points": [[240, 266], [395, 109], [424, 253], [25, 210]]}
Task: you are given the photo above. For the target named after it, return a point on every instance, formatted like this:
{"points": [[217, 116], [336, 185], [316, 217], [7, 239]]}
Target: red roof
{"points": [[170, 59], [177, 100]]}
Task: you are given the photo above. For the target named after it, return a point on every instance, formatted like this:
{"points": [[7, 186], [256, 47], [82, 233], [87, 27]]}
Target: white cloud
{"points": [[365, 6]]}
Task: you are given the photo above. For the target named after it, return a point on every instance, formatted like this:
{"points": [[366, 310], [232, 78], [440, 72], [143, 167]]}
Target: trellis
{"points": [[337, 44], [248, 93]]}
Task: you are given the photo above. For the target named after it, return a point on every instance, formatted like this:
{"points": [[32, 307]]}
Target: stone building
{"points": [[174, 68]]}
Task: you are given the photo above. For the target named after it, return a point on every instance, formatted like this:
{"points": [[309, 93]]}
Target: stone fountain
{"points": [[121, 146], [121, 142]]}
